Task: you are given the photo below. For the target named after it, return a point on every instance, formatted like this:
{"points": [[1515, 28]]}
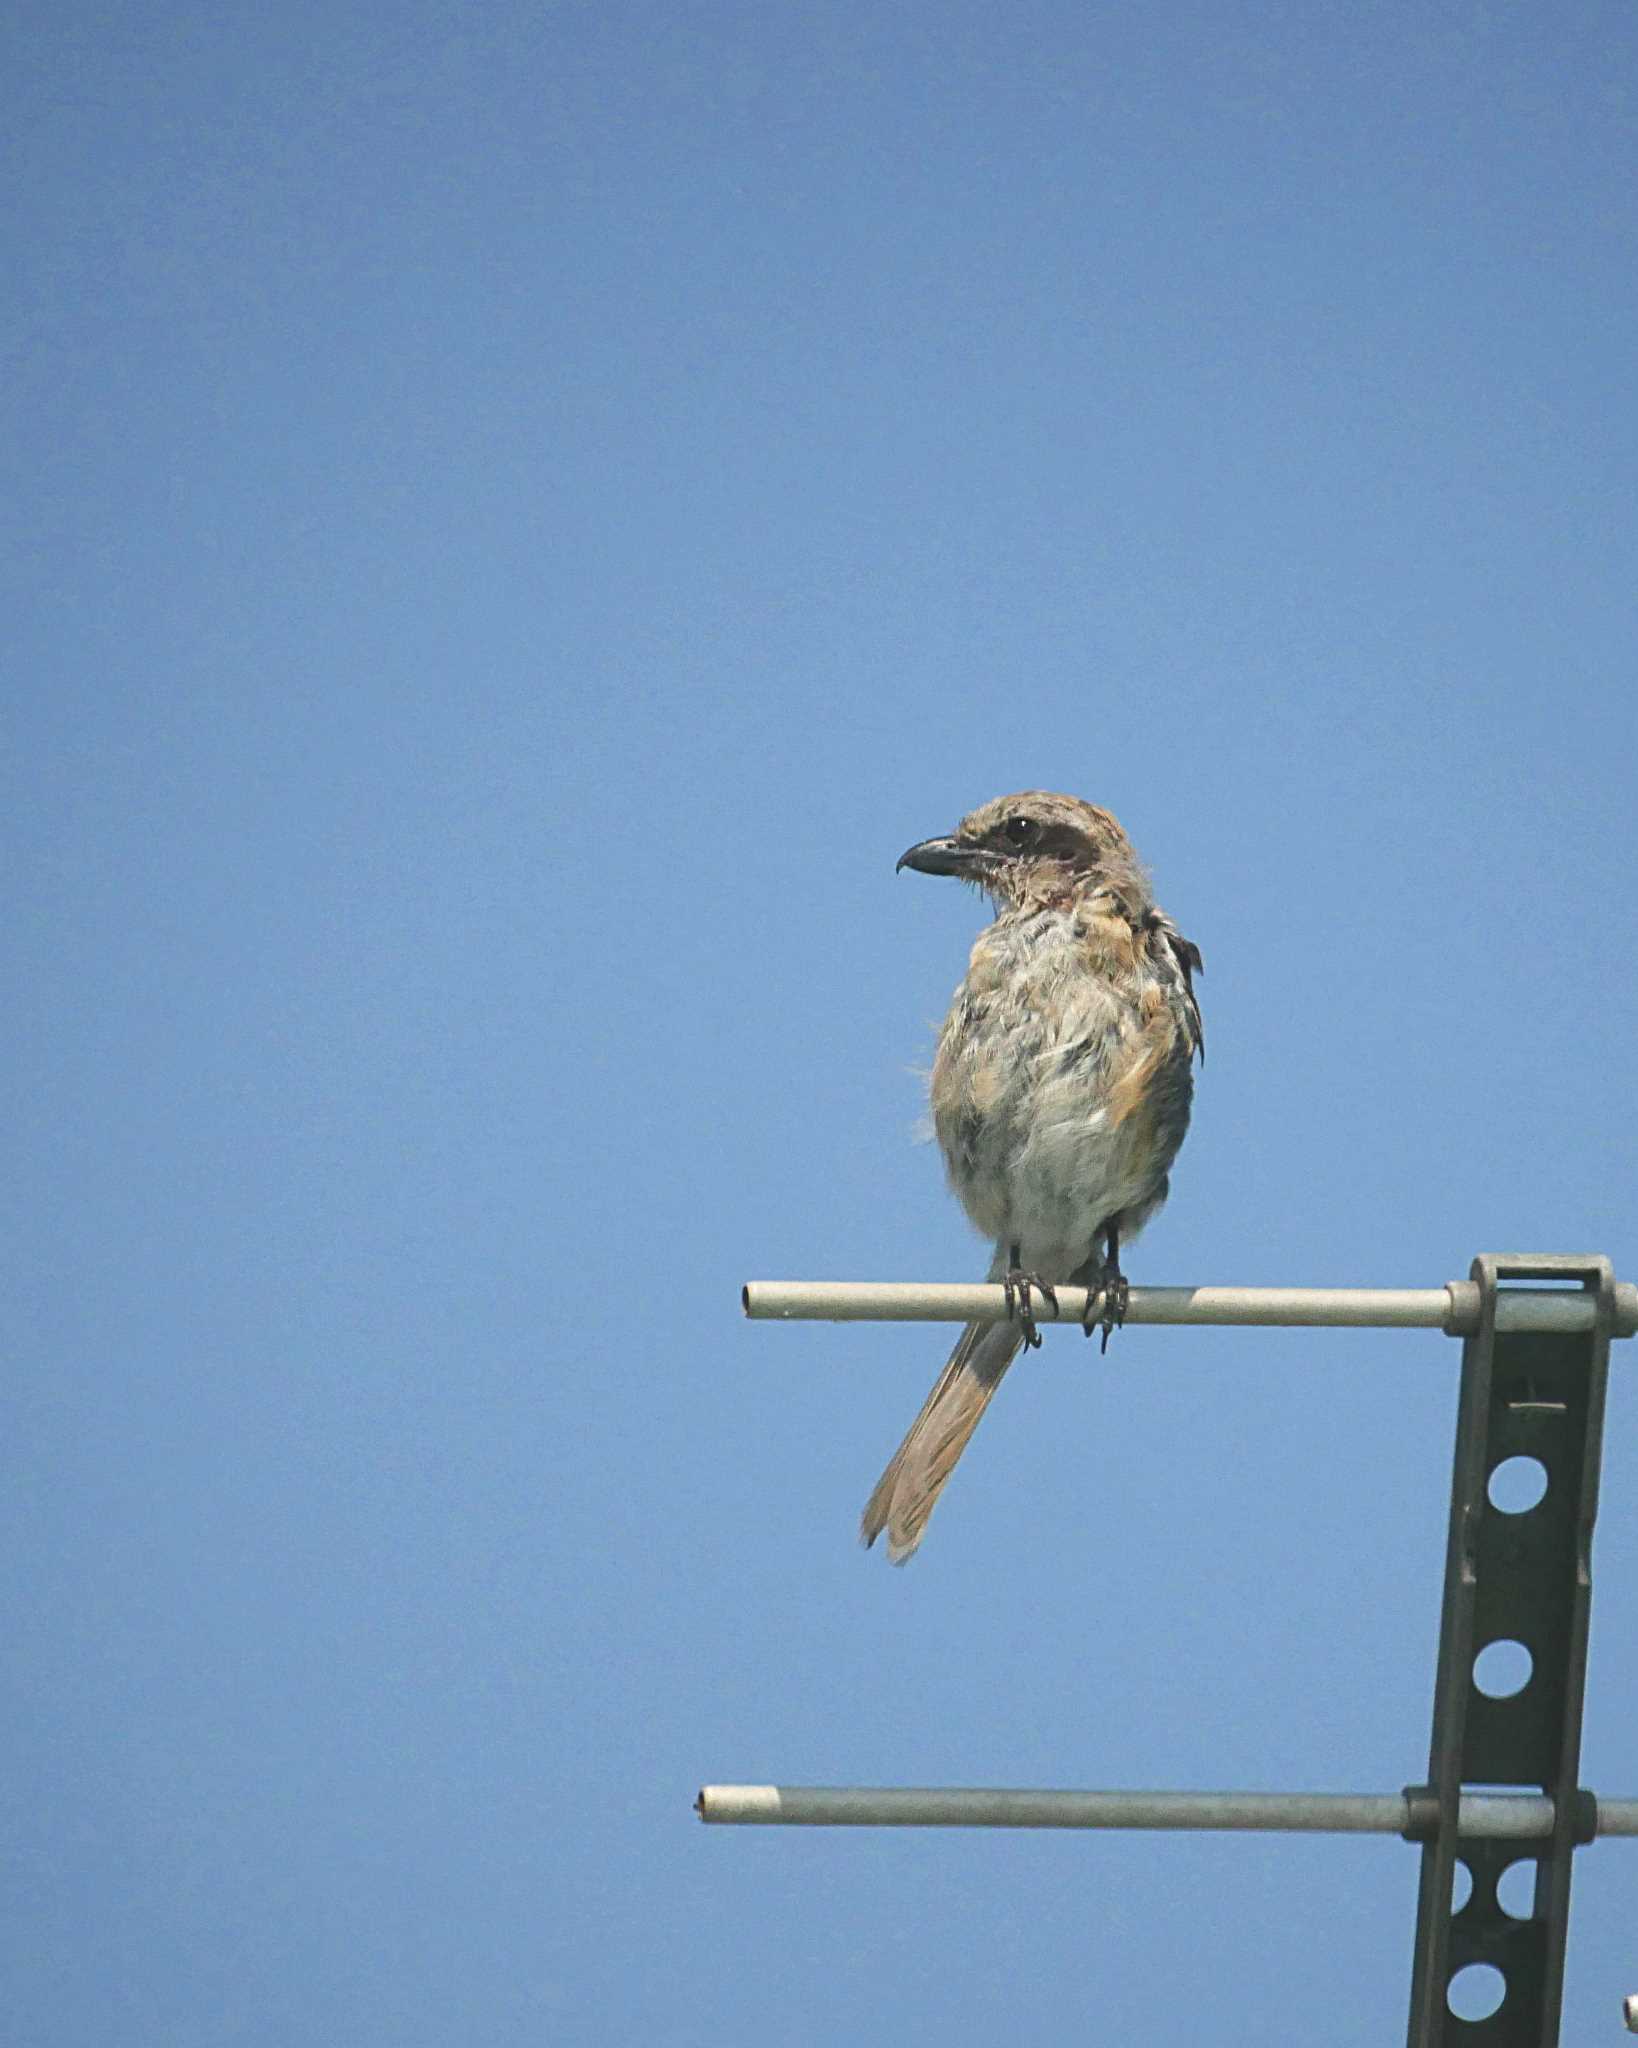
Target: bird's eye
{"points": [[1020, 830]]}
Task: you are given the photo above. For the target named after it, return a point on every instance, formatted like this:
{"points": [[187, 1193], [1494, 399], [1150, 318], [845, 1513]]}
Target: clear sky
{"points": [[517, 516]]}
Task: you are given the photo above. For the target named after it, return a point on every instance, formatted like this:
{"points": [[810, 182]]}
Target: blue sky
{"points": [[523, 516]]}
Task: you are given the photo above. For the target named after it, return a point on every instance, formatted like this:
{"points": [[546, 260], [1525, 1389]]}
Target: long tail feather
{"points": [[908, 1490]]}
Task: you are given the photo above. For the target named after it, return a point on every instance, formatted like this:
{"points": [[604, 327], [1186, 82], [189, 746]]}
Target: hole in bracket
{"points": [[1517, 1484], [1516, 1889], [1476, 1991], [1502, 1668], [1461, 1886]]}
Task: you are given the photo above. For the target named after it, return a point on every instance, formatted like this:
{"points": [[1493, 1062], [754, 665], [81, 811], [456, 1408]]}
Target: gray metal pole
{"points": [[1453, 1309], [1518, 1816]]}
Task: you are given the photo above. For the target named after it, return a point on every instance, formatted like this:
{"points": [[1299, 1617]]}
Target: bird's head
{"points": [[1036, 850]]}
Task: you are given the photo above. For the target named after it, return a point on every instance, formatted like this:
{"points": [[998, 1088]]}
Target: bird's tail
{"points": [[908, 1490]]}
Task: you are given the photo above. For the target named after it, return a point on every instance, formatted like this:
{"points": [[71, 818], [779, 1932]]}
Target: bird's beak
{"points": [[940, 857]]}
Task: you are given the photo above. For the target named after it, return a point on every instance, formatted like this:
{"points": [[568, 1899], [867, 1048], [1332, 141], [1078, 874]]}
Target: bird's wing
{"points": [[1178, 960]]}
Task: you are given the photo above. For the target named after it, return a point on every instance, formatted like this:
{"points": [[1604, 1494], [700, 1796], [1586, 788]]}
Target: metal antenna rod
{"points": [[1453, 1308], [1482, 1816]]}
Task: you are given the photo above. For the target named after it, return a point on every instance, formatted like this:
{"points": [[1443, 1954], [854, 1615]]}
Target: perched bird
{"points": [[1060, 1095]]}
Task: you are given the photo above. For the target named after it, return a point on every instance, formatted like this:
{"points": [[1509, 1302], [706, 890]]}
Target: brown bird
{"points": [[1060, 1094]]}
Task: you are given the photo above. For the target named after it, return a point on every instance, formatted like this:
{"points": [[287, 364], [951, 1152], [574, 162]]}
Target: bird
{"points": [[1060, 1094]]}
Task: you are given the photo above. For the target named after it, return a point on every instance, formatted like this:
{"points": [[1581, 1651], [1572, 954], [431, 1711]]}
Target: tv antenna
{"points": [[1536, 1335]]}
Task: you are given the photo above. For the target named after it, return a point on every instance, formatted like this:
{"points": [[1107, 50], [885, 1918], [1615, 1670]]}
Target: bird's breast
{"points": [[1058, 1093]]}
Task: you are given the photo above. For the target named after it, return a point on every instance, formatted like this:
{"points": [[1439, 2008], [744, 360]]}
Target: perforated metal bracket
{"points": [[1520, 1578]]}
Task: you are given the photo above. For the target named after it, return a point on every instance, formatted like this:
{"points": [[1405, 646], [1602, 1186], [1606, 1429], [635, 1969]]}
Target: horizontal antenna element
{"points": [[1511, 1815], [1453, 1308]]}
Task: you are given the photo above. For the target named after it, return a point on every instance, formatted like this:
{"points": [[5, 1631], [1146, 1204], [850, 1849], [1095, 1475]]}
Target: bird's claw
{"points": [[1016, 1284], [1109, 1298]]}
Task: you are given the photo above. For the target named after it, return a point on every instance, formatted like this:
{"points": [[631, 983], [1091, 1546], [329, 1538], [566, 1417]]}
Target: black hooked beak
{"points": [[941, 857]]}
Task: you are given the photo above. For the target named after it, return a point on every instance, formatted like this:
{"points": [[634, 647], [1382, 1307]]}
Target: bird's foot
{"points": [[1016, 1284], [1109, 1298]]}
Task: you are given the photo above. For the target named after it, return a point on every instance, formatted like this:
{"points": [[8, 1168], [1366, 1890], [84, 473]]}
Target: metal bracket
{"points": [[1523, 1578]]}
